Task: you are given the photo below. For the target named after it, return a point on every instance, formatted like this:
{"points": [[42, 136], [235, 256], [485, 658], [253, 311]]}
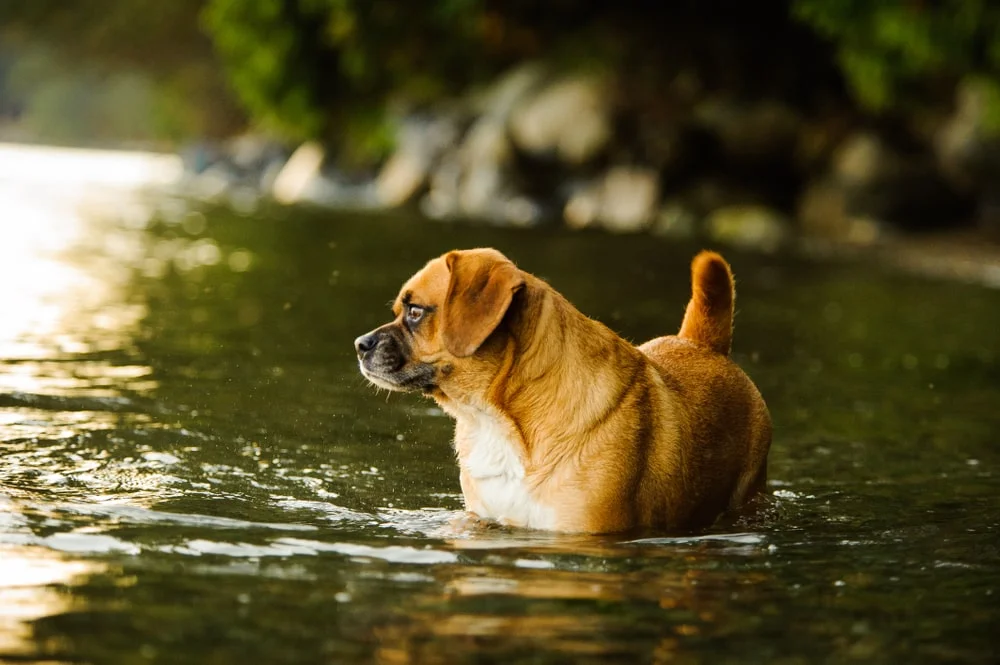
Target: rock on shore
{"points": [[545, 146]]}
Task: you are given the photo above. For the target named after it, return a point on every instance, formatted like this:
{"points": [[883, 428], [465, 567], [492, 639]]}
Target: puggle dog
{"points": [[560, 423]]}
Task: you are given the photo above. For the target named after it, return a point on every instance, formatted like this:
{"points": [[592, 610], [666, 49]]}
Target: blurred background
{"points": [[850, 122], [203, 203]]}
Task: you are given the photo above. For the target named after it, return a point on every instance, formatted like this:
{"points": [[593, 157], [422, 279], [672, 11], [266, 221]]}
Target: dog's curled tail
{"points": [[708, 320]]}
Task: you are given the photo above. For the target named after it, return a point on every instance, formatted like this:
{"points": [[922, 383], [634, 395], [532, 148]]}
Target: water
{"points": [[191, 469]]}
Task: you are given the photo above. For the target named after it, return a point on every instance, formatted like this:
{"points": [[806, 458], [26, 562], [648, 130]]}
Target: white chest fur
{"points": [[493, 469]]}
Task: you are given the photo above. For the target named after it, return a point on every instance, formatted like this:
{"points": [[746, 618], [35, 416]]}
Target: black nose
{"points": [[365, 343]]}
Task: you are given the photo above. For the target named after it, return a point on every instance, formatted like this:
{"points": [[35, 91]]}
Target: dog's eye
{"points": [[414, 313]]}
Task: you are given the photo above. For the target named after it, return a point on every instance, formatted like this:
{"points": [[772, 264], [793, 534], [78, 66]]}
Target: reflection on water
{"points": [[65, 273], [191, 469], [30, 581], [64, 304]]}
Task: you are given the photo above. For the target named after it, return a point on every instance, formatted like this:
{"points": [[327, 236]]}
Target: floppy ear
{"points": [[481, 289]]}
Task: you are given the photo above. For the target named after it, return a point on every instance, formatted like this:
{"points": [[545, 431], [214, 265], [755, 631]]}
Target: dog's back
{"points": [[728, 428]]}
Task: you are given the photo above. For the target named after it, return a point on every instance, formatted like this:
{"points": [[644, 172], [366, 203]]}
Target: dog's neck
{"points": [[508, 436], [588, 368]]}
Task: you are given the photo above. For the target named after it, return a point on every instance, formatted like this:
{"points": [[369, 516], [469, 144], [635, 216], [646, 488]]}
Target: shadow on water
{"points": [[192, 470]]}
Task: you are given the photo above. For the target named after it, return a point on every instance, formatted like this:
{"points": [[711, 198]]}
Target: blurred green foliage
{"points": [[304, 67], [330, 69], [895, 54]]}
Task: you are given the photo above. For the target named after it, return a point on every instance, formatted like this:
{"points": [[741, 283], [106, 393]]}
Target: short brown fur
{"points": [[607, 436]]}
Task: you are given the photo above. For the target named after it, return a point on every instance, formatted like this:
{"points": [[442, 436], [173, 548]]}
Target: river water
{"points": [[192, 470]]}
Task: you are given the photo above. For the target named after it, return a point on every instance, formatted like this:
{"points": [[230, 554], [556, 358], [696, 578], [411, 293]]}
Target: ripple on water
{"points": [[328, 512], [728, 538], [289, 547], [71, 542], [129, 514]]}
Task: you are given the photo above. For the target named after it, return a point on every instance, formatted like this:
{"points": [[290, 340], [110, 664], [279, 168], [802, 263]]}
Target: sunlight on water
{"points": [[65, 280], [30, 581], [63, 294], [69, 168]]}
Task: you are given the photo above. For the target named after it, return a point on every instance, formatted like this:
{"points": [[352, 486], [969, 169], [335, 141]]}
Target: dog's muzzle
{"points": [[384, 360], [380, 351]]}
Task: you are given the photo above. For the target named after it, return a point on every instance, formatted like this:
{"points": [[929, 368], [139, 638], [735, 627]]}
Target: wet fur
{"points": [[563, 425]]}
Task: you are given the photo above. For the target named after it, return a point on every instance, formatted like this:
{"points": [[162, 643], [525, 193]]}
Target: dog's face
{"points": [[443, 316]]}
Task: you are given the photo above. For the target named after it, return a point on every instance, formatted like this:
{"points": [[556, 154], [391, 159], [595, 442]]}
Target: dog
{"points": [[562, 425]]}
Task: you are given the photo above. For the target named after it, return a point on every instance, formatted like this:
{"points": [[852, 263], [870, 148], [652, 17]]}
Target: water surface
{"points": [[191, 469]]}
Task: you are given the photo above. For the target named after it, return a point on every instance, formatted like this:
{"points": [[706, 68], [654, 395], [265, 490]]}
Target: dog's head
{"points": [[444, 316]]}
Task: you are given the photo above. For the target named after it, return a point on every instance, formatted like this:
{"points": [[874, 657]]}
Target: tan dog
{"points": [[560, 423]]}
